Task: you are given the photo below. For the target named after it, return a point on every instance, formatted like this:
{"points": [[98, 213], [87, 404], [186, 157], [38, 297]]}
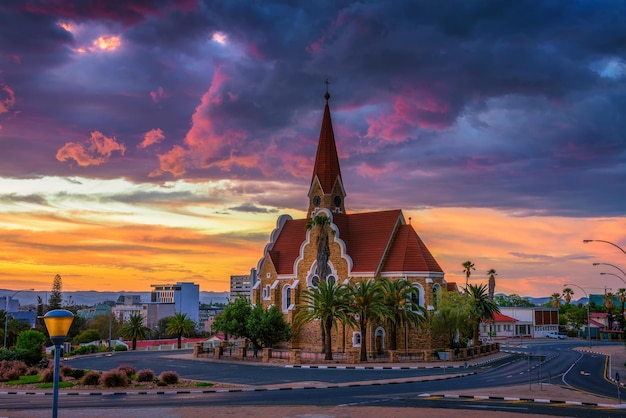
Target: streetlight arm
{"points": [[612, 265], [608, 242], [611, 274]]}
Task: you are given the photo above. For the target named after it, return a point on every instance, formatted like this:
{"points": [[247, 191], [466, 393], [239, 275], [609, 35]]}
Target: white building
{"points": [[241, 285], [533, 322], [184, 295]]}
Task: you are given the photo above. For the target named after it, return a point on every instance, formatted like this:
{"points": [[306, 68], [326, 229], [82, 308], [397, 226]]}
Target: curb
{"points": [[514, 399]]}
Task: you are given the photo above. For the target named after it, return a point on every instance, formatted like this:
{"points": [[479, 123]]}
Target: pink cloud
{"points": [[412, 110], [157, 95], [206, 145], [7, 98], [151, 137], [94, 151]]}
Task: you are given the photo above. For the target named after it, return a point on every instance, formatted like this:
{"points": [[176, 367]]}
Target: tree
{"points": [[621, 293], [481, 307], [180, 325], [329, 302], [399, 296], [468, 266], [451, 316], [234, 318], [107, 325], [512, 300], [555, 300], [492, 282], [321, 223], [367, 304], [134, 329], [30, 346], [266, 327], [608, 300], [567, 294], [56, 297], [87, 336]]}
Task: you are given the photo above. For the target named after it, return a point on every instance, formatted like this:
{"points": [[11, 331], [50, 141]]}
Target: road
{"points": [[561, 366]]}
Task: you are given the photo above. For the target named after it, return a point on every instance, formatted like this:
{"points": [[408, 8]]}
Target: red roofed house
{"points": [[502, 326], [362, 246]]}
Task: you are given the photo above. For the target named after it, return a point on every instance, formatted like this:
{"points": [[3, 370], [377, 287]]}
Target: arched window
{"points": [[417, 297], [356, 339], [286, 297]]}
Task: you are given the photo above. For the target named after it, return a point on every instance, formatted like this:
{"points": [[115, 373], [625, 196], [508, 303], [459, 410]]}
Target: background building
{"points": [[242, 285], [185, 296]]}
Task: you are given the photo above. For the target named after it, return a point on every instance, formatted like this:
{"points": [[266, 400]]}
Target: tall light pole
{"points": [[6, 313], [611, 274], [607, 242], [588, 314], [612, 265], [58, 323]]}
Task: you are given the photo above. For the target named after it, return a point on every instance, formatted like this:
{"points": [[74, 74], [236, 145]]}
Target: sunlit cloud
{"points": [[7, 98], [151, 137], [220, 37], [97, 149], [67, 26], [107, 43]]}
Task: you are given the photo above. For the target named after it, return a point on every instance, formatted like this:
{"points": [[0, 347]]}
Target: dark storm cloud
{"points": [[513, 105]]}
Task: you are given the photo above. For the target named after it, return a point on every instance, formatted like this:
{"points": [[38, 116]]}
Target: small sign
{"points": [[617, 376]]}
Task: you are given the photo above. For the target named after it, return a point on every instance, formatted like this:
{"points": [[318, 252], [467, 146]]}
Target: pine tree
{"points": [[55, 296]]}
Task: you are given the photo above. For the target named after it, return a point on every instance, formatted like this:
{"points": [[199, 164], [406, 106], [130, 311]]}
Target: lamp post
{"points": [[588, 314], [612, 265], [58, 323], [6, 313], [607, 242], [611, 274]]}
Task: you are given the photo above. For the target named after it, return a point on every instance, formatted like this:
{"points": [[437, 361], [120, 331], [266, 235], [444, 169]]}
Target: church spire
{"points": [[326, 189]]}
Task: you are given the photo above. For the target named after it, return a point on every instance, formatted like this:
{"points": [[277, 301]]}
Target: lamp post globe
{"points": [[58, 323]]}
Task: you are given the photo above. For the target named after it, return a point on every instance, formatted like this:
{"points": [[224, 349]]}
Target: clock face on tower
{"points": [[317, 201]]}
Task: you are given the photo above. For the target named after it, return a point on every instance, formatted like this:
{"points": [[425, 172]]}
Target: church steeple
{"points": [[326, 189]]}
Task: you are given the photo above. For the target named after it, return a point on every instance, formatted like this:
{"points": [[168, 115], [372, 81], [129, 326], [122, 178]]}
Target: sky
{"points": [[151, 142]]}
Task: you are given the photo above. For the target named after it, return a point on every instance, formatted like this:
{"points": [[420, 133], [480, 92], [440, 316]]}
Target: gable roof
{"points": [[370, 240]]}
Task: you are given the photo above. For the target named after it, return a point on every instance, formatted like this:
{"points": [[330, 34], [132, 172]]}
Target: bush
{"points": [[74, 373], [113, 379], [169, 377], [47, 376], [120, 347], [30, 346], [87, 336], [127, 369], [86, 349], [65, 370], [91, 378], [145, 375]]}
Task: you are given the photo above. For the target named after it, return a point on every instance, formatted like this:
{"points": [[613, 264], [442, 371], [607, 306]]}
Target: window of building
{"points": [[417, 297], [356, 339], [436, 295], [286, 297], [266, 292]]}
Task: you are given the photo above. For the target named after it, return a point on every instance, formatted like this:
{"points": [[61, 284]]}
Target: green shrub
{"points": [[120, 347], [168, 377], [91, 378], [87, 336], [145, 375], [114, 378], [75, 373], [86, 349], [29, 346]]}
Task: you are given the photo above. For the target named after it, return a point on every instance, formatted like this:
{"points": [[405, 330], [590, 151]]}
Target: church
{"points": [[362, 246]]}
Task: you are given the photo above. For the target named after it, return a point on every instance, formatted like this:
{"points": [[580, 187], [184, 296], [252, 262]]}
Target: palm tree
{"points": [[567, 294], [323, 251], [399, 296], [134, 329], [328, 302], [481, 307], [555, 300], [468, 266], [492, 282], [608, 301], [180, 324], [621, 292], [367, 304]]}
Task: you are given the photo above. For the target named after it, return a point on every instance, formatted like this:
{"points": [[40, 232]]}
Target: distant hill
{"points": [[92, 297]]}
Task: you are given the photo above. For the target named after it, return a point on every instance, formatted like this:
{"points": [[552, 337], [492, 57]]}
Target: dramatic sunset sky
{"points": [[147, 142]]}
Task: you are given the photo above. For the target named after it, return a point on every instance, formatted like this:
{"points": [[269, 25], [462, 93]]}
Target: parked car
{"points": [[556, 336]]}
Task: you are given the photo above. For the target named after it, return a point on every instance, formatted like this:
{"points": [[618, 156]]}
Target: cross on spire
{"points": [[327, 95]]}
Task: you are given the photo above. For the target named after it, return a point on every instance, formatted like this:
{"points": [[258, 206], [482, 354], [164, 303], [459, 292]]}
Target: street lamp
{"points": [[608, 242], [611, 274], [58, 323], [6, 313], [588, 314], [612, 265]]}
